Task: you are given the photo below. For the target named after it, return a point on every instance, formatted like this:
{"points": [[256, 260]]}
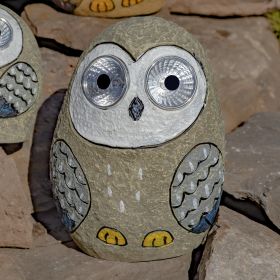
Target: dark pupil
{"points": [[103, 81], [172, 82]]}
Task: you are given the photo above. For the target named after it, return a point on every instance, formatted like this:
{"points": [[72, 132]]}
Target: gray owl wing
{"points": [[197, 187], [70, 187], [18, 90]]}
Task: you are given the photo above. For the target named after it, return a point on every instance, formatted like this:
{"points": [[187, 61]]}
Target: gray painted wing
{"points": [[18, 90], [197, 187], [70, 187]]}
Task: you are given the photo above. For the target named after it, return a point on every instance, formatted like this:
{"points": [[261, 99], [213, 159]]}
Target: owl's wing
{"points": [[197, 187], [18, 90], [70, 186]]}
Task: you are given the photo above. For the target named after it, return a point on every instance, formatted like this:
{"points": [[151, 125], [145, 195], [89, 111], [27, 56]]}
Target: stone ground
{"points": [[245, 243]]}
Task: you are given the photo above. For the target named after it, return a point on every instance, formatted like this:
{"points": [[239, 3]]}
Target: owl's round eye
{"points": [[6, 33], [171, 82], [105, 81]]}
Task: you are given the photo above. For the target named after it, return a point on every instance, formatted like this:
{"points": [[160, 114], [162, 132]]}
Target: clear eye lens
{"points": [[171, 82], [6, 33], [105, 81]]}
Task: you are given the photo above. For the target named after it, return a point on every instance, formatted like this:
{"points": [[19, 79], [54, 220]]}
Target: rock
{"points": [[252, 163], [16, 223], [240, 249], [58, 262], [72, 31], [21, 159], [40, 186], [57, 70], [41, 238], [224, 8], [246, 77], [110, 8], [117, 8], [8, 270]]}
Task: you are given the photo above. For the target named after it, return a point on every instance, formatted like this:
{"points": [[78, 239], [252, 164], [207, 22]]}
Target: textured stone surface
{"points": [[15, 223], [41, 238], [110, 8], [18, 129], [246, 77], [72, 31], [21, 159], [59, 262], [117, 8], [57, 70], [223, 8], [121, 210], [241, 249], [8, 270], [252, 163]]}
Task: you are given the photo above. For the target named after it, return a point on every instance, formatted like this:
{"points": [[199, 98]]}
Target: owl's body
{"points": [[20, 79], [122, 198]]}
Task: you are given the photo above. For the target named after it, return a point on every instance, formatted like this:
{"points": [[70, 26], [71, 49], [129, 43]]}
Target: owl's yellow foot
{"points": [[128, 3], [111, 236], [101, 6], [158, 239]]}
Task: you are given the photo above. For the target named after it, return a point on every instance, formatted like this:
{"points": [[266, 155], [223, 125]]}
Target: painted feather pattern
{"points": [[197, 187], [18, 90], [70, 187]]}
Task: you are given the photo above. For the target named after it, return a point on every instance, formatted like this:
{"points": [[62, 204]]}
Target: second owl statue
{"points": [[137, 156], [20, 78], [110, 8]]}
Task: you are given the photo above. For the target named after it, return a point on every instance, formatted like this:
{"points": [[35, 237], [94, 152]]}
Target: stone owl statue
{"points": [[20, 78], [110, 8], [137, 156]]}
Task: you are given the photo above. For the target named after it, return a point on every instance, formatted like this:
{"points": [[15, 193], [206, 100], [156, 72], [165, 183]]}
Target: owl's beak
{"points": [[136, 109]]}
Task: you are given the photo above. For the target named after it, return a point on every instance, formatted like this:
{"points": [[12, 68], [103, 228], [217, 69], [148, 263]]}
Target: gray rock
{"points": [[224, 8], [7, 269], [21, 159], [57, 70], [15, 209], [58, 262], [72, 31], [245, 59], [41, 238], [246, 76], [252, 163], [241, 249]]}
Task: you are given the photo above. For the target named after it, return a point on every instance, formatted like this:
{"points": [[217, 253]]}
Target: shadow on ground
{"points": [[40, 186]]}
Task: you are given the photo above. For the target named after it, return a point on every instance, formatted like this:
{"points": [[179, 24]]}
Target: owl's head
{"points": [[142, 83], [11, 37]]}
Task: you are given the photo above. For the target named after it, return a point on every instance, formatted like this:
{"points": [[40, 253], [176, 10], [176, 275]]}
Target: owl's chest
{"points": [[130, 182]]}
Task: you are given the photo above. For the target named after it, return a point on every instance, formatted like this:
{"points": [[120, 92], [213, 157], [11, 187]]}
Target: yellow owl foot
{"points": [[128, 3], [111, 236], [158, 239], [101, 6]]}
